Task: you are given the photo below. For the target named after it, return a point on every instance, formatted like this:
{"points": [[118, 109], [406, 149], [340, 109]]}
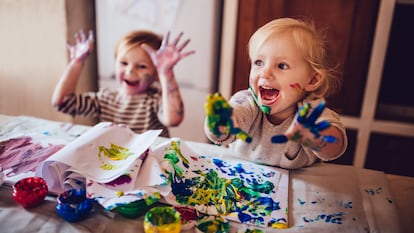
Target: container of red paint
{"points": [[30, 191]]}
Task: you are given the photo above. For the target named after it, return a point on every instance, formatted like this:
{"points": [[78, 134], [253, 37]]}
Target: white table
{"points": [[384, 202]]}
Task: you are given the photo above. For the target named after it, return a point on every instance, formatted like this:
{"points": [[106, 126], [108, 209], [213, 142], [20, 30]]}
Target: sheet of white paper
{"points": [[83, 154]]}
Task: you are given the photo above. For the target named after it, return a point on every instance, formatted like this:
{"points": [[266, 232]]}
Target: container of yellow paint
{"points": [[162, 219]]}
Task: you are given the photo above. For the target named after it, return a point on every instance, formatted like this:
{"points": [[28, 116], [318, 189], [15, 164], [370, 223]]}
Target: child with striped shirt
{"points": [[148, 96]]}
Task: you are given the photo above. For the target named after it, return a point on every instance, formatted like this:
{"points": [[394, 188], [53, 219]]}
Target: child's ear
{"points": [[314, 82]]}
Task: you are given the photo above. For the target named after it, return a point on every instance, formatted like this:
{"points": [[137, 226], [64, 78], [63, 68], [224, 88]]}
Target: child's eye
{"points": [[282, 66], [124, 63], [141, 66], [258, 62]]}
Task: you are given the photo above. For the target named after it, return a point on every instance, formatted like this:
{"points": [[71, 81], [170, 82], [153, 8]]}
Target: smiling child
{"points": [[147, 97], [283, 111]]}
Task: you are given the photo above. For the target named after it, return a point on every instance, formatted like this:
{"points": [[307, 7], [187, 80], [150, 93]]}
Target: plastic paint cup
{"points": [[73, 205], [162, 219], [211, 223], [30, 191]]}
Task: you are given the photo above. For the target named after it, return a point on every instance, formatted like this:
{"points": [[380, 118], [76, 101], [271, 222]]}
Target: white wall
{"points": [[33, 53], [198, 19]]}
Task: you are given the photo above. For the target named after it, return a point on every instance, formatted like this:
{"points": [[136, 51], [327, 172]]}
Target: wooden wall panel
{"points": [[349, 27]]}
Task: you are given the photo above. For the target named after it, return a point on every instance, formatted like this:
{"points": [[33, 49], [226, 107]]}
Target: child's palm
{"points": [[83, 46], [168, 55], [219, 120], [305, 130]]}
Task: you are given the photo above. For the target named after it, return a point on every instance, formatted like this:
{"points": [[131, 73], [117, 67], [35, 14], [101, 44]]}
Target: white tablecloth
{"points": [[322, 198]]}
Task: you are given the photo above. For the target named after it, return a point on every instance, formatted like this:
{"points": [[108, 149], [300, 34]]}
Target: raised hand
{"points": [[219, 119], [83, 46], [169, 54], [305, 131]]}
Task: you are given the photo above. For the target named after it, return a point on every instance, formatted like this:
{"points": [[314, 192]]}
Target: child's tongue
{"points": [[268, 94], [131, 83]]}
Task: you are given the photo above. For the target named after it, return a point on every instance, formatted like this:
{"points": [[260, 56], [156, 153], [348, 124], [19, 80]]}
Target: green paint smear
{"points": [[263, 108], [213, 224], [219, 113], [160, 215], [226, 195]]}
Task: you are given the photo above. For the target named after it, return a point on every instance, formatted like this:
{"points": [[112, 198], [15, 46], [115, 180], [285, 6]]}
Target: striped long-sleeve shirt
{"points": [[138, 112]]}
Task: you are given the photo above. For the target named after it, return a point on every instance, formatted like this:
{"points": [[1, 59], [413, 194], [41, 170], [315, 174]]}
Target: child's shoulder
{"points": [[242, 97]]}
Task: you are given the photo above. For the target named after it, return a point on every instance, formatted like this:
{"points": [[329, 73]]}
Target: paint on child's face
{"points": [[135, 71], [279, 75], [263, 108], [296, 86]]}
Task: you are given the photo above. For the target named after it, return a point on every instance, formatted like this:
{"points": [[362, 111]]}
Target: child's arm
{"points": [[169, 54], [323, 138], [78, 54]]}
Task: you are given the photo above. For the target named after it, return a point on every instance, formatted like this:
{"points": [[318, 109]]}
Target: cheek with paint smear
{"points": [[297, 87]]}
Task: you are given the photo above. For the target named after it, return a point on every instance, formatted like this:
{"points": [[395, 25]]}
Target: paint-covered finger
{"points": [[329, 139], [91, 36], [165, 40], [321, 126], [148, 49], [302, 112], [186, 54], [175, 43], [82, 36], [181, 47], [316, 112], [281, 138]]}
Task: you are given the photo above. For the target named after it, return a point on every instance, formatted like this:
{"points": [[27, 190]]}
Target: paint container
{"points": [[133, 209], [189, 217], [30, 191], [162, 219], [73, 205], [207, 224]]}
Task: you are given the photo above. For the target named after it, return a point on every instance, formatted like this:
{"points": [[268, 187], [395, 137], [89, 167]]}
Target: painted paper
{"points": [[25, 142], [104, 153], [238, 190]]}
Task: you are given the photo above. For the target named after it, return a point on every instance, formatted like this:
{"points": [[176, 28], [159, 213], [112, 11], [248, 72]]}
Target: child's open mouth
{"points": [[132, 83], [268, 95]]}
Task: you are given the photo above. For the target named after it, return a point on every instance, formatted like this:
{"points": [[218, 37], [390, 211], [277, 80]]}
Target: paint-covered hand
{"points": [[83, 47], [169, 54], [219, 120], [305, 130]]}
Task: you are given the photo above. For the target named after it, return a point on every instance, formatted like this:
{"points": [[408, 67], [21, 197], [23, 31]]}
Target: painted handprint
{"points": [[169, 54], [83, 46], [305, 131], [219, 114]]}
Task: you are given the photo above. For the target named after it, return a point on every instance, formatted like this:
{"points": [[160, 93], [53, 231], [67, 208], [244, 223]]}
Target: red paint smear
{"points": [[21, 155], [187, 214], [123, 179], [296, 86]]}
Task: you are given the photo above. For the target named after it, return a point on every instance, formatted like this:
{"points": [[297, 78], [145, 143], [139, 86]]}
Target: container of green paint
{"points": [[217, 224], [162, 219]]}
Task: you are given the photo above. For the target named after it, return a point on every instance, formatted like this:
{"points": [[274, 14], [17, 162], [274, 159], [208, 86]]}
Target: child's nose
{"points": [[130, 70], [266, 74]]}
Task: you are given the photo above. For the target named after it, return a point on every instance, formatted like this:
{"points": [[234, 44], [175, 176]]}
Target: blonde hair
{"points": [[309, 41], [137, 38]]}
